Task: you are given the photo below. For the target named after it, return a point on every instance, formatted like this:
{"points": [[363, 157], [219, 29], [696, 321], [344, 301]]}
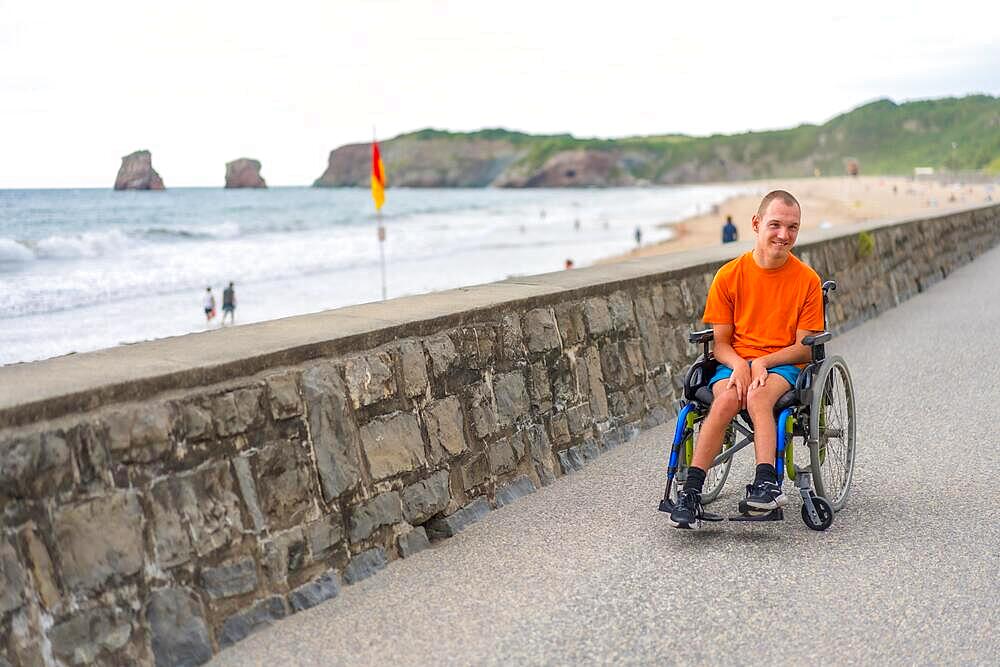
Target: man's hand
{"points": [[758, 374], [741, 380]]}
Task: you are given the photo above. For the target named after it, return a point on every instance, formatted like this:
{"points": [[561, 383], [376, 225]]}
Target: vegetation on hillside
{"points": [[953, 134]]}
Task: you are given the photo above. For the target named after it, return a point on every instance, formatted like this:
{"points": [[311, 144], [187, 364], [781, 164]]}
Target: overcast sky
{"points": [[201, 82]]}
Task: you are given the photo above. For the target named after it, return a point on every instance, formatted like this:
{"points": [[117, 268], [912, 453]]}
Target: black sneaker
{"points": [[687, 512], [765, 496]]}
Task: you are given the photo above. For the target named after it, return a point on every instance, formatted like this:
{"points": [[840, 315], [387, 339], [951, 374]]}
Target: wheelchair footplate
{"points": [[748, 513]]}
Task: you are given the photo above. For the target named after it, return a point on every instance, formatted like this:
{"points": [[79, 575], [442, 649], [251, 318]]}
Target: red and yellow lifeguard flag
{"points": [[378, 177]]}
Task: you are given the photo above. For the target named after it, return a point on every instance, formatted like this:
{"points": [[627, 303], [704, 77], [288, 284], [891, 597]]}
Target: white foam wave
{"points": [[11, 252], [87, 244]]}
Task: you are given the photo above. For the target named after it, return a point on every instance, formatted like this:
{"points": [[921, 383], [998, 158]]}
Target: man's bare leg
{"points": [[760, 405], [725, 406]]}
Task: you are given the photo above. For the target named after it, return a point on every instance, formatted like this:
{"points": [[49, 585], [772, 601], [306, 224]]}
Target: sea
{"points": [[88, 269]]}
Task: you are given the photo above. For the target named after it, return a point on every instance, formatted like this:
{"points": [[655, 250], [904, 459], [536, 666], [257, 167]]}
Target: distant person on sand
{"points": [[729, 231], [209, 305], [569, 263], [229, 304], [638, 235]]}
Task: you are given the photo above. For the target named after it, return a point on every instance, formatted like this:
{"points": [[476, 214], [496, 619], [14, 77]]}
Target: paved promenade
{"points": [[587, 571]]}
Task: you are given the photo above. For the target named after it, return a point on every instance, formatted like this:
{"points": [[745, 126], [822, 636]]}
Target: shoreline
{"points": [[827, 201]]}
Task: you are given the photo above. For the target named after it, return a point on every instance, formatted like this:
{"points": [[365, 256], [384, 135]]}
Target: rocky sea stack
{"points": [[244, 173], [137, 173]]}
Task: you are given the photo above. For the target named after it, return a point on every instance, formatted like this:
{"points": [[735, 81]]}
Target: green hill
{"points": [[950, 134]]}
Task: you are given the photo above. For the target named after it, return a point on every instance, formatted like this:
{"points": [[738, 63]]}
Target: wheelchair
{"points": [[816, 431]]}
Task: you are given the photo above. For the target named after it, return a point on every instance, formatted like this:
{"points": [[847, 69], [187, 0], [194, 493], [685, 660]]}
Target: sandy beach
{"points": [[826, 202]]}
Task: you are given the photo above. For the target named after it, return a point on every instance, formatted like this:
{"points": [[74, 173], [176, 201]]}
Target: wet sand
{"points": [[826, 202]]}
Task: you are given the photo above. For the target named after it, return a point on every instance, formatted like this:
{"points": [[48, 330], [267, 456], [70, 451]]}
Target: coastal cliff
{"points": [[137, 173], [882, 137], [244, 173]]}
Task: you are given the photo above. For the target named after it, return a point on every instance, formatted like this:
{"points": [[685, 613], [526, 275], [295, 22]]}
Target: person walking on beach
{"points": [[229, 304], [729, 231], [209, 305], [638, 235]]}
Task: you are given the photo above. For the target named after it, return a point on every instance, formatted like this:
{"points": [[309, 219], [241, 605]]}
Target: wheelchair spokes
{"points": [[833, 435]]}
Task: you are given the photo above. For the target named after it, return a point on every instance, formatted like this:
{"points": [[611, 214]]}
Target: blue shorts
{"points": [[788, 371]]}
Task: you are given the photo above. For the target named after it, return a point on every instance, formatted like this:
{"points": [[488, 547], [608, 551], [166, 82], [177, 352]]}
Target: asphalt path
{"points": [[587, 570]]}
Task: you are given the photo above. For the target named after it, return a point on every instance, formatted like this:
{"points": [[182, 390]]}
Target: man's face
{"points": [[777, 230]]}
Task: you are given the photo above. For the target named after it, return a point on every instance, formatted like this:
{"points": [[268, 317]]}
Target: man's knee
{"points": [[760, 402], [725, 405]]}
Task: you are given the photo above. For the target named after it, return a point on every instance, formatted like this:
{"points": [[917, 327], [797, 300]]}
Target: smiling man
{"points": [[761, 305]]}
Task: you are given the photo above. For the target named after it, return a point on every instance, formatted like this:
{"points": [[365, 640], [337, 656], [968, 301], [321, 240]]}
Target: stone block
{"points": [[34, 465], [40, 564], [510, 338], [673, 301], [635, 364], [248, 489], [322, 535], [482, 410], [445, 428], [589, 450], [85, 635], [196, 421], [285, 484], [511, 398], [559, 429], [178, 632], [364, 565], [393, 445], [261, 615], [613, 366], [335, 436], [565, 389], [540, 389], [475, 472], [412, 542], [519, 488], [226, 417], [570, 460], [284, 553], [369, 379], [579, 419], [656, 417], [425, 498], [569, 317], [100, 540], [414, 368], [197, 512], [450, 526], [596, 316], [88, 442], [442, 353], [140, 434], [283, 395], [250, 408], [501, 457], [12, 579], [617, 405], [230, 579], [541, 330], [649, 332], [309, 595], [382, 510], [595, 383], [620, 310]]}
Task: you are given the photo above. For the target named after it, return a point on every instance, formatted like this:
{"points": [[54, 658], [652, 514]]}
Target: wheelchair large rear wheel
{"points": [[832, 430]]}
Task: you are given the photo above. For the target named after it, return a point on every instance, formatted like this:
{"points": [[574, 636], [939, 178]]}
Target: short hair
{"points": [[783, 195]]}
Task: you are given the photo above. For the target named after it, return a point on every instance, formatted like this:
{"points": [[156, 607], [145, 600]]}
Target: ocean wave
{"points": [[224, 230], [14, 252], [84, 245]]}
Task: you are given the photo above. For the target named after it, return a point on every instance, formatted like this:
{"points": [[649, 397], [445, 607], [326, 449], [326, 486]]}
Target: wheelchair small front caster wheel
{"points": [[824, 511]]}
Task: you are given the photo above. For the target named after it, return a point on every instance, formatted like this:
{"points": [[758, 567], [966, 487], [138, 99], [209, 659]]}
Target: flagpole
{"points": [[381, 234]]}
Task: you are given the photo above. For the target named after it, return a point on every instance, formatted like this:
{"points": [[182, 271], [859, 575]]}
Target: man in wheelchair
{"points": [[760, 306]]}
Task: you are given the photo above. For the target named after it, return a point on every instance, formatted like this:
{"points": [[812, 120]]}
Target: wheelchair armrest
{"points": [[818, 339], [701, 336]]}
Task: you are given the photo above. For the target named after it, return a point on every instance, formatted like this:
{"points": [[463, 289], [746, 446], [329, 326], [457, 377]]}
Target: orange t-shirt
{"points": [[765, 306]]}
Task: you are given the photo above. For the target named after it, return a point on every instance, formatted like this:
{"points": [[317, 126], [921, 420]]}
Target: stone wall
{"points": [[164, 529]]}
